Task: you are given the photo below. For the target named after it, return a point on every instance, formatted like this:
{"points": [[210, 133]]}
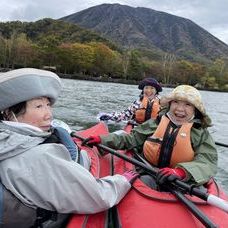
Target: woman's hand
{"points": [[169, 174], [91, 140]]}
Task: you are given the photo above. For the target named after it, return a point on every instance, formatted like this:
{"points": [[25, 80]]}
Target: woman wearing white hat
{"points": [[37, 172], [177, 142]]}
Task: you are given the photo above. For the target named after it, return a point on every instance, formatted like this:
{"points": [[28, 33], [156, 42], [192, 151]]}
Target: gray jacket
{"points": [[43, 175]]}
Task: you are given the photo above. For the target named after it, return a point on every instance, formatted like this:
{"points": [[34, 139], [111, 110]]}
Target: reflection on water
{"points": [[81, 101]]}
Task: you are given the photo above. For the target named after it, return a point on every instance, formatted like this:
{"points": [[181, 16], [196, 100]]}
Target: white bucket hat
{"points": [[27, 83], [191, 95], [186, 93]]}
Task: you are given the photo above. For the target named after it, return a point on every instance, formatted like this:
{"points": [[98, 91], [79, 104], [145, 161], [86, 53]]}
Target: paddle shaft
{"points": [[198, 214], [154, 171], [189, 204], [221, 144], [210, 199], [192, 207]]}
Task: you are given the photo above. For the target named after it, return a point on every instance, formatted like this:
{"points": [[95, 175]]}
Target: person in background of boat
{"points": [[146, 107], [36, 167], [177, 142]]}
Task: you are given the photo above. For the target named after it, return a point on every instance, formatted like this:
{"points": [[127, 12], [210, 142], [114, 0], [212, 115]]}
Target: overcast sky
{"points": [[212, 15]]}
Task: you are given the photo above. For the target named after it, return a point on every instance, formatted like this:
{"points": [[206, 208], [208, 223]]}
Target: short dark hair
{"points": [[17, 109], [198, 114]]}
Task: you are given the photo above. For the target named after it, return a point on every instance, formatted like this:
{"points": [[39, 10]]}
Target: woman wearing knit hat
{"points": [[146, 107], [177, 142], [36, 167]]}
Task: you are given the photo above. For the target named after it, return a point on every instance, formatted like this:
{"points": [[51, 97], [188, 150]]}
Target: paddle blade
{"points": [[218, 202]]}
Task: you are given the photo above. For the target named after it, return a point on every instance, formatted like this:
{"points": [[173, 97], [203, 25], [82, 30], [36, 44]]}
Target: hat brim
{"points": [[155, 85], [27, 83], [165, 101]]}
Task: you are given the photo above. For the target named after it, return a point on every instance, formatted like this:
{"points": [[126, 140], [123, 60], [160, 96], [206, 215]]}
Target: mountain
{"points": [[63, 31], [145, 28]]}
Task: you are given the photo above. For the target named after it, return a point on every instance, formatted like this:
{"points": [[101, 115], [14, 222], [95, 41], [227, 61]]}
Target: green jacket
{"points": [[200, 170]]}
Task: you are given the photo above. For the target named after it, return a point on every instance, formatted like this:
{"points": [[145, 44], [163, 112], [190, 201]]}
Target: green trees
{"points": [[168, 64], [104, 60], [16, 51], [93, 58], [135, 69], [3, 52], [219, 70], [73, 50]]}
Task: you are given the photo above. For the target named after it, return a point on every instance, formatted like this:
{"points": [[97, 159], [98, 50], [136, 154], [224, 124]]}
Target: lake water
{"points": [[81, 101]]}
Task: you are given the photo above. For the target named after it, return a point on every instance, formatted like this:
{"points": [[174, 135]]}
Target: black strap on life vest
{"points": [[42, 216], [148, 110], [53, 138], [167, 145]]}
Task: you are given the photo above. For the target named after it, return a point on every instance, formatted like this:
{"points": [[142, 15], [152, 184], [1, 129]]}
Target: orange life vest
{"points": [[169, 145], [148, 109]]}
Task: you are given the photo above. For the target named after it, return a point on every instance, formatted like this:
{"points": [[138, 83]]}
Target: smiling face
{"points": [[38, 113], [181, 111], [149, 91]]}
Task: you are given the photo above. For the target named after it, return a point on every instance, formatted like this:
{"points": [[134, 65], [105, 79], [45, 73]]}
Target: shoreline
{"points": [[123, 81]]}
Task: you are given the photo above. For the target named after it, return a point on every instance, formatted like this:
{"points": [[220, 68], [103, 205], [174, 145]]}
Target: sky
{"points": [[211, 15]]}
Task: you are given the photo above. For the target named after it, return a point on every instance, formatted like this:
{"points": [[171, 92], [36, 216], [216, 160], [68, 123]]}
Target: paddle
{"points": [[221, 144], [209, 198], [189, 204], [198, 214], [192, 207]]}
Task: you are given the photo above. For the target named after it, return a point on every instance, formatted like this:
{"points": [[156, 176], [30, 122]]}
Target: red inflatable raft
{"points": [[143, 207]]}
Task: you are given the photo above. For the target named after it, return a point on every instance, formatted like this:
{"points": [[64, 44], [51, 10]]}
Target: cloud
{"points": [[211, 15]]}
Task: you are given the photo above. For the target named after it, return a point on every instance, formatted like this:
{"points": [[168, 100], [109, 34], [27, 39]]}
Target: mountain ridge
{"points": [[142, 27]]}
